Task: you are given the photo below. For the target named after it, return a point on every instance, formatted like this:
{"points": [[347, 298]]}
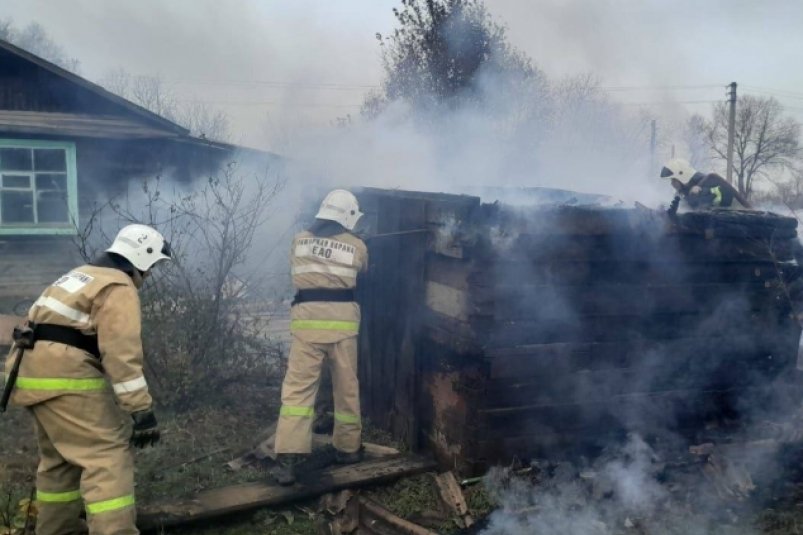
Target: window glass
{"points": [[51, 207], [50, 160], [16, 181], [51, 181], [37, 187], [16, 160], [16, 206]]}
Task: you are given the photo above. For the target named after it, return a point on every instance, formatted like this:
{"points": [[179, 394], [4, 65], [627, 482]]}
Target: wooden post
{"points": [[731, 130]]}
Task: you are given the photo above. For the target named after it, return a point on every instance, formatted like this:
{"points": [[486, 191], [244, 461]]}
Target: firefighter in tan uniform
{"points": [[700, 191], [82, 381], [325, 320]]}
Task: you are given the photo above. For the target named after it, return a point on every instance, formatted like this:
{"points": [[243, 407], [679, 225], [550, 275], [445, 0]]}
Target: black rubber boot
{"points": [[285, 470], [324, 423], [342, 457]]}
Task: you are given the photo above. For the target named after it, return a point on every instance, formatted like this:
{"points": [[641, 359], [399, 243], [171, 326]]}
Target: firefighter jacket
{"points": [[326, 263], [712, 191], [97, 301]]}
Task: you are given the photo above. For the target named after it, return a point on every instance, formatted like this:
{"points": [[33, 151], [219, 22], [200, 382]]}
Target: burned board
{"points": [[520, 331], [223, 501]]}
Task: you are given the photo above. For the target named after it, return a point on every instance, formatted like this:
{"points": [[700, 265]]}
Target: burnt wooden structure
{"points": [[65, 144], [515, 332]]}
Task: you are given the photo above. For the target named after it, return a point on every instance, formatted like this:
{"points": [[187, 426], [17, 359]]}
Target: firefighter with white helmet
{"points": [[325, 320], [80, 375], [700, 191]]}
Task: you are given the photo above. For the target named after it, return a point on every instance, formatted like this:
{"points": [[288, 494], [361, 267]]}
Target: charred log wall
{"points": [[529, 331]]}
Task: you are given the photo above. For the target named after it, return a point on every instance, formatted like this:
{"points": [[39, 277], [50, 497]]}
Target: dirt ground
{"points": [[191, 457], [196, 444]]}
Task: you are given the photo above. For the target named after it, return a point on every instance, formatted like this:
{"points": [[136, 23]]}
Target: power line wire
{"points": [[280, 84], [358, 86], [277, 103], [660, 87], [779, 92], [655, 103]]}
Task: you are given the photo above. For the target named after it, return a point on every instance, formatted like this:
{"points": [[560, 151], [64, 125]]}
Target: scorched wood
{"points": [[238, 498]]}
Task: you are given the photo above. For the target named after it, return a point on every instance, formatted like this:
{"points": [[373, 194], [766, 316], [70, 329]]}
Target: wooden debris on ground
{"points": [[375, 519], [453, 498], [730, 479], [342, 513], [237, 498]]}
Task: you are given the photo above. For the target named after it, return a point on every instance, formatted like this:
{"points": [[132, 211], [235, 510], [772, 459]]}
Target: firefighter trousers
{"points": [[300, 388], [84, 454]]}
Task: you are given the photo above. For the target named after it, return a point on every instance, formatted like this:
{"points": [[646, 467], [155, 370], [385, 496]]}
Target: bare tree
{"points": [[202, 120], [697, 143], [152, 93], [35, 39], [585, 117], [765, 140], [199, 332]]}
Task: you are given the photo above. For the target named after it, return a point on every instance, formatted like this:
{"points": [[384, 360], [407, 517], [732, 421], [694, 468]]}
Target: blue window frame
{"points": [[38, 187]]}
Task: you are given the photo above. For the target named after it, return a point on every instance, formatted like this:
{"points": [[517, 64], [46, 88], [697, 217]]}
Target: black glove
{"points": [[673, 207], [146, 429]]}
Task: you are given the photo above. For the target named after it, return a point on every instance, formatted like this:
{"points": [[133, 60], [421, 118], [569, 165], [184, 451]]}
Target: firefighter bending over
{"points": [[700, 191], [325, 320], [81, 378]]}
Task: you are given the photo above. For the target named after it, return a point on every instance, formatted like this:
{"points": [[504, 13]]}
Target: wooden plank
{"points": [[377, 520], [544, 302], [656, 374], [266, 449], [411, 292], [448, 301], [454, 272], [595, 271], [237, 498], [666, 250], [590, 221], [452, 497], [607, 329], [521, 362]]}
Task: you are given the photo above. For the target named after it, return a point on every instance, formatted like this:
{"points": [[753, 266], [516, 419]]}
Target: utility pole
{"points": [[652, 147], [731, 129]]}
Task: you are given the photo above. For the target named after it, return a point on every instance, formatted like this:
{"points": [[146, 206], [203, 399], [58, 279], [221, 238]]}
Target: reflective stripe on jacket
{"points": [[332, 263], [98, 301]]}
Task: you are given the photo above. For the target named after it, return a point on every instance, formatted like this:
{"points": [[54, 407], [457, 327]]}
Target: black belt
{"points": [[338, 296], [47, 332]]}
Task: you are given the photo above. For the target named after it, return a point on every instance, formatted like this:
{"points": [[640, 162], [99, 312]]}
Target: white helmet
{"points": [[678, 168], [342, 207], [141, 245]]}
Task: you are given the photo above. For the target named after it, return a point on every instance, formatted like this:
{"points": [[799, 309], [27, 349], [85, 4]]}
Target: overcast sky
{"points": [[269, 63]]}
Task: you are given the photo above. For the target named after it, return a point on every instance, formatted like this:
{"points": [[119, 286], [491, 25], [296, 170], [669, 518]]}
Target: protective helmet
{"points": [[141, 245], [342, 207], [679, 169]]}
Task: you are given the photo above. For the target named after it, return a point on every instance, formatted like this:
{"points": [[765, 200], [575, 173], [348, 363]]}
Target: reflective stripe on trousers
{"points": [[302, 412], [58, 497], [107, 506], [54, 383], [345, 418], [324, 325]]}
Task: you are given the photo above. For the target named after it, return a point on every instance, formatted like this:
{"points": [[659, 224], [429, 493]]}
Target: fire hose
{"points": [[399, 233]]}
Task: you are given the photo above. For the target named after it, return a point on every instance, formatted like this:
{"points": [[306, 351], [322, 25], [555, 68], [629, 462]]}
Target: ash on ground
{"points": [[638, 489]]}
